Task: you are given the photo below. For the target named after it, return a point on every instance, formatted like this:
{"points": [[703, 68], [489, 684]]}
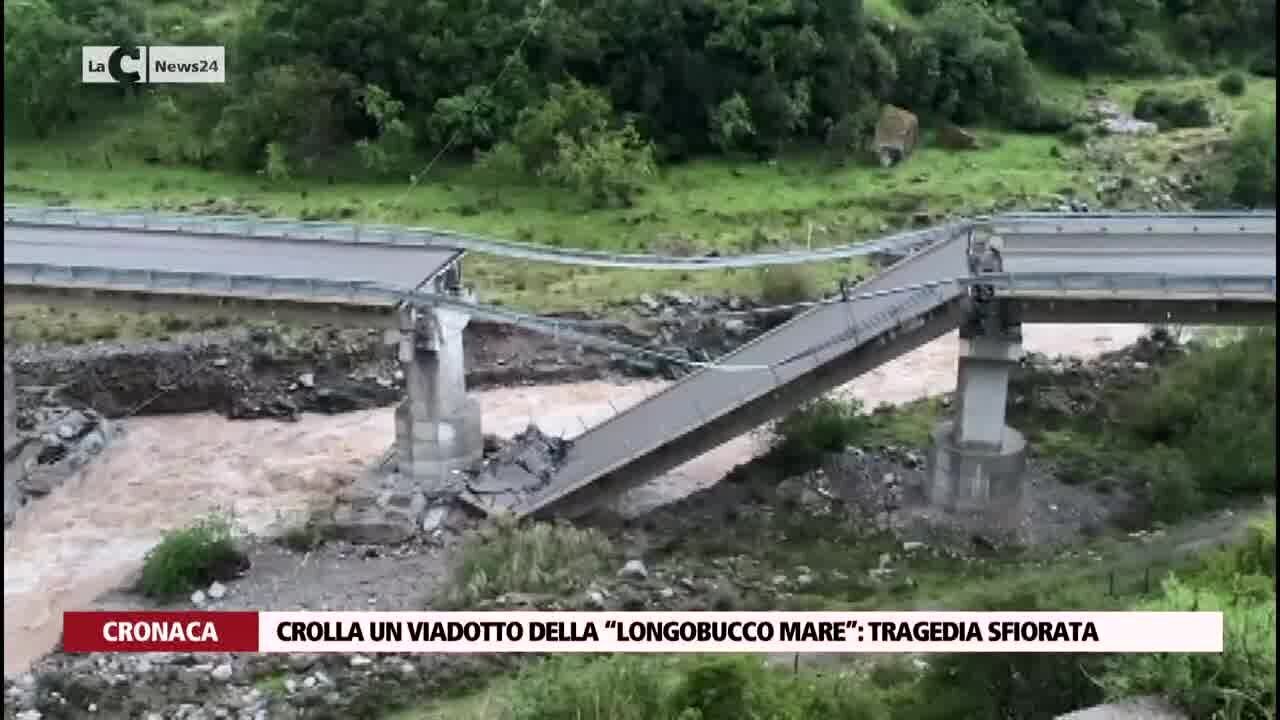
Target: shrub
{"points": [[535, 558], [1248, 176], [1217, 406], [736, 688], [998, 685], [1077, 134], [1171, 482], [613, 688], [623, 687], [847, 137], [785, 284], [306, 536], [568, 140], [276, 165], [609, 166], [1232, 84], [1042, 116], [300, 107], [731, 125], [821, 426], [394, 141], [1238, 683], [190, 558], [1171, 112], [1247, 568], [1256, 555], [1076, 458]]}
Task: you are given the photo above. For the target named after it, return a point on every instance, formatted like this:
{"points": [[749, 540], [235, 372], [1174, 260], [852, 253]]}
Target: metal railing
{"points": [[354, 234], [358, 293]]}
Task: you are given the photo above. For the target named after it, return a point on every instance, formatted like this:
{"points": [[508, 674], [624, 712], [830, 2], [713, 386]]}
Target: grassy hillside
{"points": [[727, 205]]}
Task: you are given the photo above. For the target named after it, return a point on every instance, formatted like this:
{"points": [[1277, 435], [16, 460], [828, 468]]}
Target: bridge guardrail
{"points": [[319, 231], [1131, 215], [359, 293], [355, 291]]}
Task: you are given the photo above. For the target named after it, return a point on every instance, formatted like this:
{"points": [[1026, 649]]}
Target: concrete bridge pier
{"points": [[13, 457], [438, 428], [976, 461]]}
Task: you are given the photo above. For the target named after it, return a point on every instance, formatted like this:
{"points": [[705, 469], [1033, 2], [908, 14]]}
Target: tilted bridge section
{"points": [[1214, 268]]}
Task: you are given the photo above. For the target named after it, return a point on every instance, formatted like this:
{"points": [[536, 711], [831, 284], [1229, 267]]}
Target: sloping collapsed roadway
{"points": [[984, 276]]}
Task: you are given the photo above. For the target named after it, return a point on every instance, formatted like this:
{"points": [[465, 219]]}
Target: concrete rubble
{"points": [[190, 686], [50, 443], [515, 469]]}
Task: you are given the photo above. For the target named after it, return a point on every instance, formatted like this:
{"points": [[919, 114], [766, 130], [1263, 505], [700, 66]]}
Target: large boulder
{"points": [[896, 134]]}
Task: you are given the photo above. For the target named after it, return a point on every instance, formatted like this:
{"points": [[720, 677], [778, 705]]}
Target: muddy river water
{"points": [[91, 534]]}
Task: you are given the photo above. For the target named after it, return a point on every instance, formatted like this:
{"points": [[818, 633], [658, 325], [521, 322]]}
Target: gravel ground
{"points": [[333, 576]]}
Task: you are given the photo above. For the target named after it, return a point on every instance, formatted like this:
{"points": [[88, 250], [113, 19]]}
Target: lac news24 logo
{"points": [[139, 64]]}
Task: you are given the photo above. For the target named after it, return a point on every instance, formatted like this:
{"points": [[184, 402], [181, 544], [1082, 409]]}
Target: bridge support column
{"points": [[438, 427], [13, 458], [977, 461]]}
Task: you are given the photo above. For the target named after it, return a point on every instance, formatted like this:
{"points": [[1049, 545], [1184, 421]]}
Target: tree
{"points": [[965, 64], [1089, 35], [304, 108], [1248, 176], [394, 141], [570, 139], [1228, 29], [608, 166], [41, 61]]}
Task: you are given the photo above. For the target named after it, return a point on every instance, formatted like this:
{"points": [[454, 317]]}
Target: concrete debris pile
{"points": [[876, 482], [54, 442], [690, 328], [391, 510], [1066, 387], [514, 469], [241, 687]]}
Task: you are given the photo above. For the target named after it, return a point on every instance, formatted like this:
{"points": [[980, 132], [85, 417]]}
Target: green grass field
{"points": [[724, 205]]}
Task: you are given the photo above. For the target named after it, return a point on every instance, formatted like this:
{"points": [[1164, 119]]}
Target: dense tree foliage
{"points": [[591, 93], [966, 64], [41, 67], [1079, 36], [1232, 29]]}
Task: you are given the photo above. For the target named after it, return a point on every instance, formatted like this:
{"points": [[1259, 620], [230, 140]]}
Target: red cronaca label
{"points": [[160, 632]]}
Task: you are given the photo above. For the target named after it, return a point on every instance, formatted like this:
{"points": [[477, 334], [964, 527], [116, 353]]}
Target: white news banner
{"points": [[750, 632]]}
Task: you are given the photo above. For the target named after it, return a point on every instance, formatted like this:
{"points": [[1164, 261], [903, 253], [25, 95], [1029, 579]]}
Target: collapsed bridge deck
{"points": [[1202, 268]]}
